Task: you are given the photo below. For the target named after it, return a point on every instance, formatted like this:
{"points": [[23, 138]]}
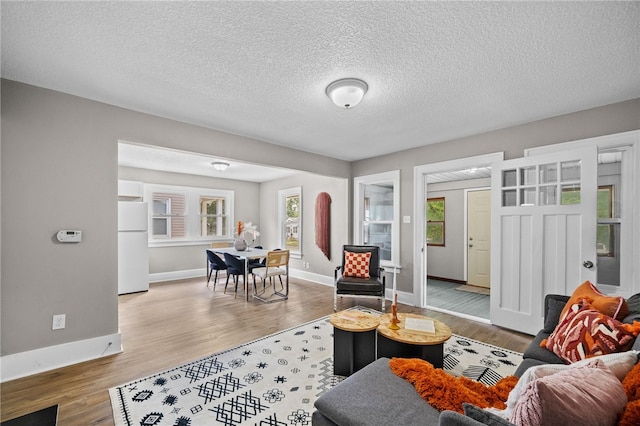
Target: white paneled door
{"points": [[543, 233], [479, 238]]}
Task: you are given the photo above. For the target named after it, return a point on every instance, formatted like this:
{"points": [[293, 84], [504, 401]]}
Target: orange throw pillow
{"points": [[356, 264], [613, 306], [445, 392]]}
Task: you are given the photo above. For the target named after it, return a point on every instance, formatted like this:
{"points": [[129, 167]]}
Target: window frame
{"points": [[433, 222], [192, 214], [218, 215], [359, 185], [283, 195], [607, 221]]}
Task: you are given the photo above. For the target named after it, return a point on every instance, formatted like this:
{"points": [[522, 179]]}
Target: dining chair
{"points": [[255, 263], [236, 269], [276, 265], [214, 263]]}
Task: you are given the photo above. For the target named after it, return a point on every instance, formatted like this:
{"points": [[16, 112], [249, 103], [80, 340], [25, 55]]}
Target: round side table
{"points": [[354, 340], [405, 343]]}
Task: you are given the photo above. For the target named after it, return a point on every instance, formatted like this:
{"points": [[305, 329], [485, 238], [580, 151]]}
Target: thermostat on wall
{"points": [[69, 236]]}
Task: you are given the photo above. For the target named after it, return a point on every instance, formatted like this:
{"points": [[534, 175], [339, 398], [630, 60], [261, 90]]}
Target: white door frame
{"points": [[420, 193]]}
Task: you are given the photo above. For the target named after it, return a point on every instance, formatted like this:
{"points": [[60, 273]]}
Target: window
{"points": [[290, 220], [377, 212], [213, 217], [606, 232], [542, 185], [435, 222], [182, 215], [167, 219]]}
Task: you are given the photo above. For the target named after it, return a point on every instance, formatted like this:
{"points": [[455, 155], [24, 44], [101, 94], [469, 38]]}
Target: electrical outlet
{"points": [[59, 322]]}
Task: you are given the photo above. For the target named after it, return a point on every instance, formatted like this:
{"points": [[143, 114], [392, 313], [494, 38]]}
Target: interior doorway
{"points": [[447, 265]]}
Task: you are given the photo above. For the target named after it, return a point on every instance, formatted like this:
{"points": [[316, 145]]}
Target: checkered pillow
{"points": [[356, 264]]}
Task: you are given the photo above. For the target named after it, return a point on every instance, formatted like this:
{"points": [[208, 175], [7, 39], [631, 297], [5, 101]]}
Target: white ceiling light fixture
{"points": [[347, 92], [220, 165]]}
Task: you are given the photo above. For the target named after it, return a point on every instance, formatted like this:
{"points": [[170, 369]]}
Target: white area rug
{"points": [[271, 381]]}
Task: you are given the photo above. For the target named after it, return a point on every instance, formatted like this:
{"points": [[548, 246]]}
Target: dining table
{"points": [[245, 255]]}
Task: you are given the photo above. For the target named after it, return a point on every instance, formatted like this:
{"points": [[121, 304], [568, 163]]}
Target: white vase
{"points": [[240, 244]]}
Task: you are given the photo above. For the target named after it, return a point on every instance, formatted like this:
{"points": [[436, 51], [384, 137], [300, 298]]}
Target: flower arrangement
{"points": [[246, 230]]}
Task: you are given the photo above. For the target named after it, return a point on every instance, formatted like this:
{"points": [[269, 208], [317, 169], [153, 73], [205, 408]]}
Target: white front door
{"points": [[479, 238], [543, 233]]}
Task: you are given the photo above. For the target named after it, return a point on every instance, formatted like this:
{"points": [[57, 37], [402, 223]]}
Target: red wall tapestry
{"points": [[323, 223]]}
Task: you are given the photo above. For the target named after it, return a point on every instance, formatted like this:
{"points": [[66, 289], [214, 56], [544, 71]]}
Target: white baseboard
{"points": [[310, 276], [403, 297], [202, 272], [177, 275], [24, 364]]}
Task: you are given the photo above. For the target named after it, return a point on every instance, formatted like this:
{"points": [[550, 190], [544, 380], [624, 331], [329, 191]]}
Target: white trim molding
{"points": [[177, 275], [359, 183], [419, 195], [15, 366]]}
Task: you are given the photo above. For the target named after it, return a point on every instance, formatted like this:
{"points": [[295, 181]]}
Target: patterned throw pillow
{"points": [[356, 264], [613, 306], [585, 333]]}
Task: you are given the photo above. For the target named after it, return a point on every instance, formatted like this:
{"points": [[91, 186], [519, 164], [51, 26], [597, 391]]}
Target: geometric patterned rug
{"points": [[272, 381]]}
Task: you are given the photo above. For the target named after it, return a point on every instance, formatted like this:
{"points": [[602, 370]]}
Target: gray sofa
{"points": [[376, 396]]}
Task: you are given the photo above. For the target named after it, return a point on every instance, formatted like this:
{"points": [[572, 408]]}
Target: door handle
{"points": [[587, 264]]}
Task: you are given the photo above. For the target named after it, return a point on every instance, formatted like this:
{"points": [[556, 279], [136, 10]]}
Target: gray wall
{"points": [[609, 119], [59, 171], [185, 258], [262, 213], [311, 185]]}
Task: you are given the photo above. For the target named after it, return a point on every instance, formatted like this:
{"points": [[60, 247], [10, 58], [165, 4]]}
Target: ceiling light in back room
{"points": [[347, 92], [220, 165]]}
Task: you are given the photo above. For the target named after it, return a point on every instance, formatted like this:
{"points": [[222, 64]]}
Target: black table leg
{"points": [[391, 348], [352, 350]]}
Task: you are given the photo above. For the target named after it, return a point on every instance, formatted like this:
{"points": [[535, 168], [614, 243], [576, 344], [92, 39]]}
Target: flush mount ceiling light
{"points": [[347, 93], [220, 165]]}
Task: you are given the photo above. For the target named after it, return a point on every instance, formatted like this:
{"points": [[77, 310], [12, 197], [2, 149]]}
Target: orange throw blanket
{"points": [[445, 392]]}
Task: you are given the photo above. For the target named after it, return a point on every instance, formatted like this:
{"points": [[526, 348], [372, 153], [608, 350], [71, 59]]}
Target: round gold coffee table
{"points": [[354, 340], [405, 343]]}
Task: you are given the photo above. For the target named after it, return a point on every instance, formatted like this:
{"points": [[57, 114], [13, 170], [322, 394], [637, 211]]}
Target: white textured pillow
{"points": [[589, 395], [619, 363]]}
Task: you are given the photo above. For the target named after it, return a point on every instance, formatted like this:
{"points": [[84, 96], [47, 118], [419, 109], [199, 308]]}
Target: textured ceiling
{"points": [[435, 70]]}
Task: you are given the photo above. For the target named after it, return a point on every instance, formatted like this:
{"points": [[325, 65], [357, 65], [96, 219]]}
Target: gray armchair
{"points": [[374, 286]]}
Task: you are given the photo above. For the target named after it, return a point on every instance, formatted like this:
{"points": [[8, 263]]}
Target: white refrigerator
{"points": [[133, 247]]}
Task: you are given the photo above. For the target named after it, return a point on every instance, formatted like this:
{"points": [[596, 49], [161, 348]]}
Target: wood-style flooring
{"points": [[180, 321]]}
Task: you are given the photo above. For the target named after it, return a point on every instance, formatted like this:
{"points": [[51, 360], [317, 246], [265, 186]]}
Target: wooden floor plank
{"points": [[181, 321]]}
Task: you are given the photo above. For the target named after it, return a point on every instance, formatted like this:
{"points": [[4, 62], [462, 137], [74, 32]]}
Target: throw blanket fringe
{"points": [[445, 392]]}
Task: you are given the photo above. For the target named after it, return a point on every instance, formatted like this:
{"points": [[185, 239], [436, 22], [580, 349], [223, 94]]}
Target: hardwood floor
{"points": [[180, 321]]}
